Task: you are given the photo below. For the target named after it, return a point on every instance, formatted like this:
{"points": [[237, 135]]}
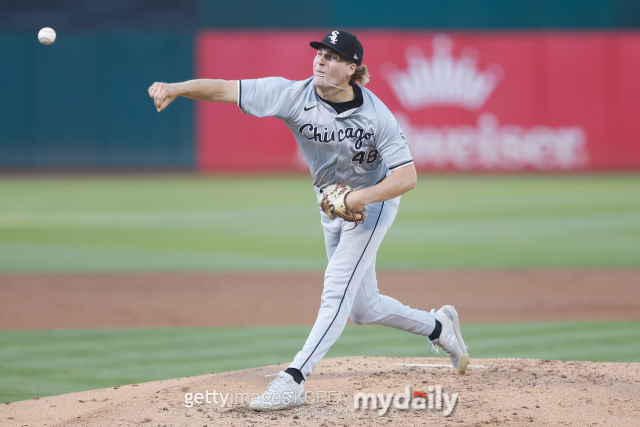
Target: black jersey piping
{"points": [[240, 96], [400, 164], [345, 289]]}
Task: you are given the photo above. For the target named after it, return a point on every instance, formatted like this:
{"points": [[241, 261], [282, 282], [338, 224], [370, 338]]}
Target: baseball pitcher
{"points": [[361, 165]]}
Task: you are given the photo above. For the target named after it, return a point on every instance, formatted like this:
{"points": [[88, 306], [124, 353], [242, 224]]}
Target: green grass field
{"points": [[190, 223], [272, 223]]}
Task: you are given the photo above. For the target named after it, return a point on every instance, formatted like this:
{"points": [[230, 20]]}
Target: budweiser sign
{"points": [[466, 101], [444, 80], [487, 145]]}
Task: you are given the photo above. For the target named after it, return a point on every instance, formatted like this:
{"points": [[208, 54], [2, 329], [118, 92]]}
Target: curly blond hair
{"points": [[361, 76]]}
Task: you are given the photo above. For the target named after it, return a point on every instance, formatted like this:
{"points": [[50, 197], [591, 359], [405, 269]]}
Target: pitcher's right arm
{"points": [[201, 90]]}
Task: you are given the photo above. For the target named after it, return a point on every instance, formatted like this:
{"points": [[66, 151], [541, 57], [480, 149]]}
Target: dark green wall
{"points": [[450, 14], [83, 101]]}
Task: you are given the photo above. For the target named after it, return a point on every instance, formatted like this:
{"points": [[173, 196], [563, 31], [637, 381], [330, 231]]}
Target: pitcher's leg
{"points": [[332, 230], [371, 308], [347, 266]]}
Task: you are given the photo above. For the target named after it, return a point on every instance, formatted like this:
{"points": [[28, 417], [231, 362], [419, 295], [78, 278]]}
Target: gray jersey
{"points": [[358, 147]]}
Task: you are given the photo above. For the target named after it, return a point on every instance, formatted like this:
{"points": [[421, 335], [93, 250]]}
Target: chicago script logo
{"points": [[311, 132], [334, 36]]}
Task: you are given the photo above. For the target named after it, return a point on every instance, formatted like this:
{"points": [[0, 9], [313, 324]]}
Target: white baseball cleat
{"points": [[282, 393], [450, 339]]}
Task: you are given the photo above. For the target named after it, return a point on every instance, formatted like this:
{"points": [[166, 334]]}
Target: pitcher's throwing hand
{"points": [[162, 94]]}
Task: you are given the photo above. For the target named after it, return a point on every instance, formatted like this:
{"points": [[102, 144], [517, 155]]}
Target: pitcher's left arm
{"points": [[399, 182]]}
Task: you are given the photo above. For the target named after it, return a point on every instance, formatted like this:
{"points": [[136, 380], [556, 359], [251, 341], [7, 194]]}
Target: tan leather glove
{"points": [[333, 204]]}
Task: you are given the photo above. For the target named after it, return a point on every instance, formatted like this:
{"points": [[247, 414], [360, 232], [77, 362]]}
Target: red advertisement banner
{"points": [[465, 101]]}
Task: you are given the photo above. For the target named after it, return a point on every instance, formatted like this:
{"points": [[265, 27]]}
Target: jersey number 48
{"points": [[370, 158]]}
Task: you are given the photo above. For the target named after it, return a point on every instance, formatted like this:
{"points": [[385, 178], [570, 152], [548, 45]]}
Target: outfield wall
{"points": [[82, 102], [547, 101]]}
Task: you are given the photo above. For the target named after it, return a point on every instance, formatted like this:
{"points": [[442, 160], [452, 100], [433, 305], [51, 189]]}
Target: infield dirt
{"points": [[53, 301]]}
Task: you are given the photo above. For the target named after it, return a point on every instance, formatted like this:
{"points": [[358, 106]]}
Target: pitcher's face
{"points": [[333, 66]]}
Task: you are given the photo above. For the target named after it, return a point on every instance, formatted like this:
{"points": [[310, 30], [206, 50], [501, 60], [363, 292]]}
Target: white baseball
{"points": [[47, 35]]}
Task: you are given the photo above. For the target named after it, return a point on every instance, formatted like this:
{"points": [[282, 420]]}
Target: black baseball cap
{"points": [[343, 42]]}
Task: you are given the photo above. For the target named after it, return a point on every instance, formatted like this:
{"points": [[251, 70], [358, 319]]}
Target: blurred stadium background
{"points": [[522, 117]]}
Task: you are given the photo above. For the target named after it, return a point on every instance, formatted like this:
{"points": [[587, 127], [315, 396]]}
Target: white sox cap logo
{"points": [[334, 37]]}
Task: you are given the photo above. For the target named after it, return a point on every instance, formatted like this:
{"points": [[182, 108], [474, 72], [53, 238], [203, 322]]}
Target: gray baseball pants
{"points": [[351, 289]]}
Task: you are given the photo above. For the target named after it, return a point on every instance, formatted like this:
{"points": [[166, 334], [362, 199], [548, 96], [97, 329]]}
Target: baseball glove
{"points": [[334, 197]]}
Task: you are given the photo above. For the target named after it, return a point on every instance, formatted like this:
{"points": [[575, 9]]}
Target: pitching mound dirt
{"points": [[493, 392]]}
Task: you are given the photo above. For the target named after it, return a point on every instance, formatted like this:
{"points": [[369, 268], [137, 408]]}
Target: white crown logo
{"points": [[443, 80]]}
